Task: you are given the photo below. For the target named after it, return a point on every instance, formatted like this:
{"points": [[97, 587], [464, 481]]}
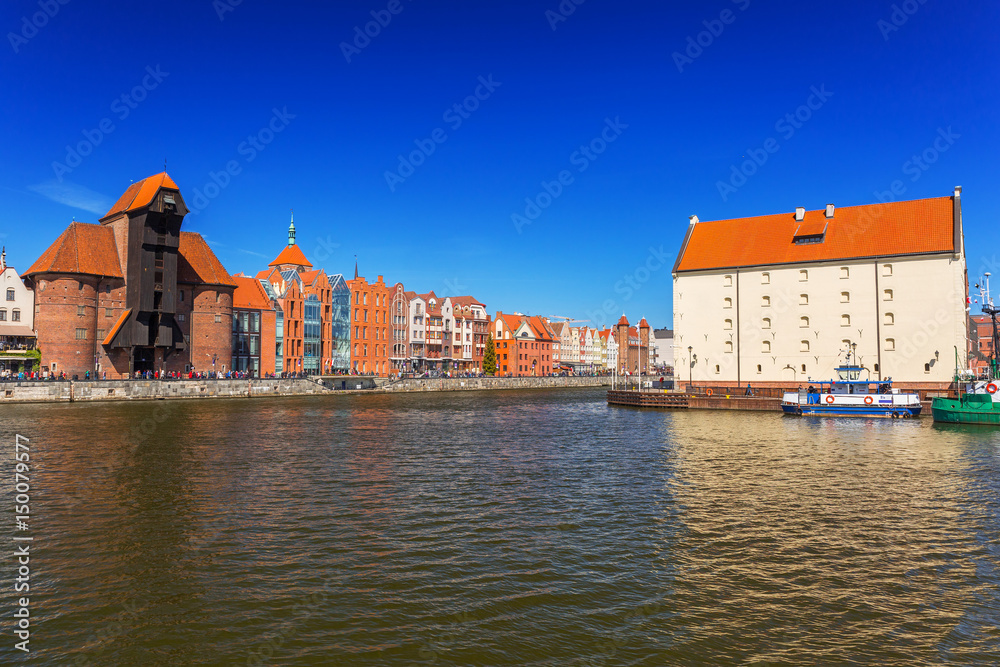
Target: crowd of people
{"points": [[147, 375]]}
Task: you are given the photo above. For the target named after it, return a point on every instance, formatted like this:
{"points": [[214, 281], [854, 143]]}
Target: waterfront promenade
{"points": [[68, 391]]}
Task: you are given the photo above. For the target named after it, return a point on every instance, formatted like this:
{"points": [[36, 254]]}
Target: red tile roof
{"points": [[466, 301], [309, 277], [250, 294], [623, 320], [82, 248], [141, 193], [540, 328], [854, 232], [292, 255], [110, 338], [196, 263]]}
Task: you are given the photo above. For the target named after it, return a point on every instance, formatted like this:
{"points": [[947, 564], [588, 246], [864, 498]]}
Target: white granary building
{"points": [[781, 298]]}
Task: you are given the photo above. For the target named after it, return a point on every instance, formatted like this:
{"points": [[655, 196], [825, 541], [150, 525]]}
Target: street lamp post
{"points": [[690, 366]]}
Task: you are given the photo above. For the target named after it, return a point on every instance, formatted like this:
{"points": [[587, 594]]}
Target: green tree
{"points": [[490, 357]]}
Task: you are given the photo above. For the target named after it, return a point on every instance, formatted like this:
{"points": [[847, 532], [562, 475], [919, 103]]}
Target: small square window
{"points": [[765, 279], [845, 272], [803, 275], [845, 297]]}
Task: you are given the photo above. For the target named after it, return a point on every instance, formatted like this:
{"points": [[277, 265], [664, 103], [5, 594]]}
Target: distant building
{"points": [[633, 346], [340, 324], [662, 349], [255, 328], [523, 345], [781, 298], [133, 293], [372, 332], [17, 311], [471, 329]]}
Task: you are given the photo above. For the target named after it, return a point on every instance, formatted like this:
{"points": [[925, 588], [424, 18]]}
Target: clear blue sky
{"points": [[889, 94]]}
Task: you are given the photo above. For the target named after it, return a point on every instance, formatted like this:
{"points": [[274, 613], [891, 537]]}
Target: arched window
{"points": [[845, 320], [765, 323], [728, 325], [927, 368], [15, 315], [727, 303], [765, 301], [765, 347], [758, 368], [10, 294], [804, 322], [804, 346], [729, 347]]}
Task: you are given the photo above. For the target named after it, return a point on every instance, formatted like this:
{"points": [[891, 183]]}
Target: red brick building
{"points": [[372, 328], [633, 345], [254, 328], [524, 345], [133, 293]]}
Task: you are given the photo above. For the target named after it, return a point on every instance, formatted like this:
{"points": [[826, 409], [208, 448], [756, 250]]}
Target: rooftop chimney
{"points": [[800, 213], [829, 210], [694, 219], [958, 190]]}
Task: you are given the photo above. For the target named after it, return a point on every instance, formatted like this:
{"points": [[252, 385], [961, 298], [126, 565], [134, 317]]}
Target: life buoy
{"points": [[991, 388], [868, 400], [709, 392], [830, 399]]}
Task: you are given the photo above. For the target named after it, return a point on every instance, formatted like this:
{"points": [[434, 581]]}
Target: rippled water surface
{"points": [[499, 528]]}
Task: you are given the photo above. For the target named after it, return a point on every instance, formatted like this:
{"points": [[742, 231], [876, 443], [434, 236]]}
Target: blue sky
{"points": [[563, 183]]}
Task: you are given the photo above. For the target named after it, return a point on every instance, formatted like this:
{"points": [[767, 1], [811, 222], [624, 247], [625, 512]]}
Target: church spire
{"points": [[291, 230], [3, 259]]}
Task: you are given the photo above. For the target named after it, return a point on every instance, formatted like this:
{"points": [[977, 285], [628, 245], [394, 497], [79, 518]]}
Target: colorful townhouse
{"points": [[524, 345]]}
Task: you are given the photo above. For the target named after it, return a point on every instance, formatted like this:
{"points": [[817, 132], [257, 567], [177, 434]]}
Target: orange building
{"points": [[524, 345], [372, 330], [306, 298], [254, 328]]}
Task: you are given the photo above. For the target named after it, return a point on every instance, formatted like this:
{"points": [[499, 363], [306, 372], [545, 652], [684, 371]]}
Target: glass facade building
{"points": [[312, 338], [341, 324], [246, 341]]}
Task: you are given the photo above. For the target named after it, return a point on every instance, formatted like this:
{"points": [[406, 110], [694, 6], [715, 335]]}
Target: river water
{"points": [[498, 528]]}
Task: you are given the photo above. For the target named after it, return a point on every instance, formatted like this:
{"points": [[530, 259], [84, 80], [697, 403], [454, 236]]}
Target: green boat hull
{"points": [[969, 409]]}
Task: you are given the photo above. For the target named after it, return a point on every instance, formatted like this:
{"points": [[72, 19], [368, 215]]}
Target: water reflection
{"points": [[505, 528]]}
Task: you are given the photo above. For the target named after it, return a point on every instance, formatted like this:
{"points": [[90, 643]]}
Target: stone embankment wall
{"points": [[474, 384], [126, 390], [134, 390]]}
